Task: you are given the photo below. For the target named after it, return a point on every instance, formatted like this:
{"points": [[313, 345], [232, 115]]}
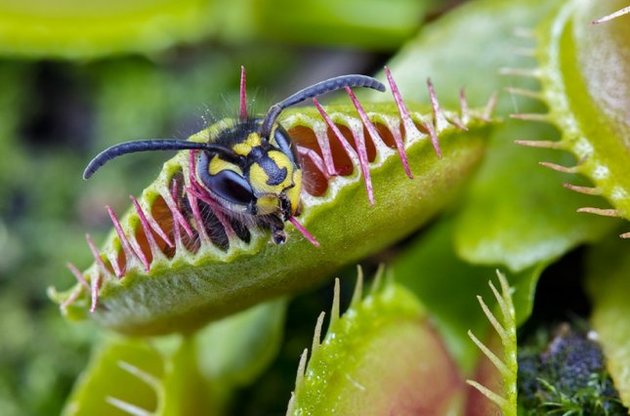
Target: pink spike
{"points": [[324, 145], [344, 143], [176, 234], [79, 276], [560, 168], [625, 235], [215, 210], [434, 139], [192, 163], [410, 128], [155, 250], [588, 190], [404, 114], [113, 260], [304, 231], [96, 284], [440, 119], [604, 212], [128, 248], [243, 96], [359, 140], [317, 160], [97, 255], [70, 300], [178, 217], [151, 222], [201, 230]]}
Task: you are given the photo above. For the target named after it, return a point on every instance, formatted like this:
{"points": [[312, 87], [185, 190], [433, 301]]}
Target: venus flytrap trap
{"points": [[179, 375], [175, 260], [585, 83], [506, 365], [384, 332]]}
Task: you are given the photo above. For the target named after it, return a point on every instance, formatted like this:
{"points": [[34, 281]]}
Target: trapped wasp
{"points": [[250, 169]]}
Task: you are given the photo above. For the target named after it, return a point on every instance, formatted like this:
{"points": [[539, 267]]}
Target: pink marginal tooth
{"points": [[243, 95], [151, 222], [192, 199], [192, 162], [176, 234], [124, 241], [344, 143], [304, 231], [96, 284], [155, 250], [317, 160], [324, 145], [78, 275], [440, 119], [96, 254], [359, 140], [178, 217], [407, 123], [114, 262], [70, 300], [434, 138], [215, 210]]}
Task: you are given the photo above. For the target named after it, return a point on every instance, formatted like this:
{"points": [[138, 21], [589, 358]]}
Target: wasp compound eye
{"points": [[226, 184], [283, 142]]}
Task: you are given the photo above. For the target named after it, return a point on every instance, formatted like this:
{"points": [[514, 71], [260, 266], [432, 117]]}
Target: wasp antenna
{"points": [[315, 90], [146, 146], [243, 95]]}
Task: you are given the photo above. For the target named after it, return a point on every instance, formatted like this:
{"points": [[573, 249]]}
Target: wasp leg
{"points": [[276, 225]]}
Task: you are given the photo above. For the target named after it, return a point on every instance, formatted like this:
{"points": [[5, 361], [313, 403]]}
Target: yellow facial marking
{"points": [[283, 162], [253, 139], [258, 179], [246, 145], [294, 193], [267, 204], [217, 164]]}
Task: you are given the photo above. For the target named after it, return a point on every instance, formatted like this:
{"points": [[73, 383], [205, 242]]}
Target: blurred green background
{"points": [[76, 77]]}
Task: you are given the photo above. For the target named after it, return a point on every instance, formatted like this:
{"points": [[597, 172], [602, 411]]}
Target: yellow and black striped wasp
{"points": [[251, 169]]}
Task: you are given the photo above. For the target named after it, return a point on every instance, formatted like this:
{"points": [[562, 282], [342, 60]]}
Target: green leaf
{"points": [[237, 349], [180, 375], [113, 373], [448, 287], [79, 29], [380, 357], [375, 25], [609, 285], [585, 77], [504, 364], [515, 213], [455, 57]]}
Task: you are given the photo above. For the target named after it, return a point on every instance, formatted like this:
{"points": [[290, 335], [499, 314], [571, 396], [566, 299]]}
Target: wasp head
{"points": [[258, 177]]}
